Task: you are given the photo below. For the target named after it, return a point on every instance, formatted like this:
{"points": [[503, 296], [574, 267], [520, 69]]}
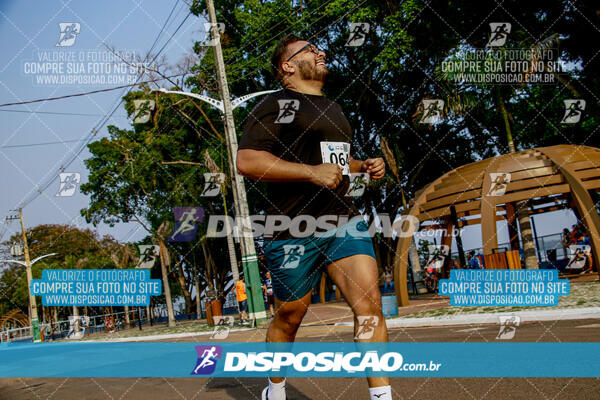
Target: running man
{"points": [[306, 163]]}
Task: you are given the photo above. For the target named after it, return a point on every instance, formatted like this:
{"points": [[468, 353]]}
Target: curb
{"points": [[160, 337], [491, 318]]}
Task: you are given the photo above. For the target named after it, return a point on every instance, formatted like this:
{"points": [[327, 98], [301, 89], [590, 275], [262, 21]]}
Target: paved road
{"points": [[338, 388]]}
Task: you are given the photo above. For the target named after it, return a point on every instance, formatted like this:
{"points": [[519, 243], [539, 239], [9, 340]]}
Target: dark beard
{"points": [[310, 72]]}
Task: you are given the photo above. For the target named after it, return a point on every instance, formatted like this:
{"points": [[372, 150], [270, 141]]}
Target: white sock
{"points": [[381, 393], [276, 390]]}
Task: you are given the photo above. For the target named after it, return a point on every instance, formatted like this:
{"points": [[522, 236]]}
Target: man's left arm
{"points": [[375, 167]]}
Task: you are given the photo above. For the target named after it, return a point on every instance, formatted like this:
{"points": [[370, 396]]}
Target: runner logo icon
{"points": [[287, 111], [223, 324], [573, 110], [500, 31], [210, 39], [358, 183], [293, 254], [68, 184], [212, 183], [186, 223], [366, 326], [358, 33], [499, 182], [508, 326], [207, 359], [148, 255], [432, 111], [68, 33]]}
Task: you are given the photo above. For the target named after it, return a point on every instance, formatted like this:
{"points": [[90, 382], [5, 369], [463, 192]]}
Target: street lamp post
{"points": [[249, 259], [33, 315]]}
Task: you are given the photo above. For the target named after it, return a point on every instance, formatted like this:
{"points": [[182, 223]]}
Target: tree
{"points": [[381, 84], [140, 174], [76, 249]]}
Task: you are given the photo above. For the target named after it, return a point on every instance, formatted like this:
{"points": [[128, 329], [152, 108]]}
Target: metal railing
{"points": [[544, 244], [62, 329]]}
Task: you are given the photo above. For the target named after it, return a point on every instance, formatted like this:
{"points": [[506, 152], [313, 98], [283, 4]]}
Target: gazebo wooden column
{"points": [[447, 241], [323, 285], [401, 256], [511, 223], [581, 196], [489, 234]]}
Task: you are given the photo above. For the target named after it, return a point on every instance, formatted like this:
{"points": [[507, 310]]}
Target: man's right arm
{"points": [[264, 166]]}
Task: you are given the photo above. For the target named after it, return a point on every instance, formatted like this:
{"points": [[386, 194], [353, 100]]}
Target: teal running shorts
{"points": [[296, 264]]}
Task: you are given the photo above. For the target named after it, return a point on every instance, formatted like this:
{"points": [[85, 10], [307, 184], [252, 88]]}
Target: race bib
{"points": [[337, 153]]}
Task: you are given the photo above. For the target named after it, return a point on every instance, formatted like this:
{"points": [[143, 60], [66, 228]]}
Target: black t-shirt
{"points": [[297, 127]]}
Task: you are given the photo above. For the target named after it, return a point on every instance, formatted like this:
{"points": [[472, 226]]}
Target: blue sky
{"points": [[31, 29]]}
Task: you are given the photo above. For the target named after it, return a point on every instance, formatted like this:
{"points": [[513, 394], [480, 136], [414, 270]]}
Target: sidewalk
{"points": [[326, 314], [339, 312], [424, 310]]}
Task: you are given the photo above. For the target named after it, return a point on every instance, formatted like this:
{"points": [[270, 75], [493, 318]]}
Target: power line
{"points": [[87, 93], [152, 80], [55, 113], [40, 144], [99, 125], [250, 60], [116, 87], [173, 34], [262, 34], [163, 27]]}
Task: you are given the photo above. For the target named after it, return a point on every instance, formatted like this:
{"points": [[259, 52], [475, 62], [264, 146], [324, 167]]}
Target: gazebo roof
{"points": [[533, 173]]}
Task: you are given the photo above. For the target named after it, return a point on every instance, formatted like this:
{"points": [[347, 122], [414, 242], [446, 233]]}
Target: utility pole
{"points": [[33, 314], [212, 166], [249, 259], [226, 105]]}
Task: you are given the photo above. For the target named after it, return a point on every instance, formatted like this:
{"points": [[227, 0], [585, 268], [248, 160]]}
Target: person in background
{"points": [[268, 290], [576, 234], [565, 240], [388, 280], [455, 264], [431, 278], [585, 240], [242, 299], [473, 261]]}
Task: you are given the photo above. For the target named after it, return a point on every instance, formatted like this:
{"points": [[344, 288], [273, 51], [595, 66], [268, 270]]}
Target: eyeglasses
{"points": [[310, 46]]}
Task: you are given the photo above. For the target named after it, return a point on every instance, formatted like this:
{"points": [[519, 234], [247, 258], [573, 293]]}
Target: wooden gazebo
{"points": [[549, 177], [14, 318]]}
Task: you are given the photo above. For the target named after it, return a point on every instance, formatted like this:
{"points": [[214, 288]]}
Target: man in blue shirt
{"points": [[268, 290], [473, 261]]}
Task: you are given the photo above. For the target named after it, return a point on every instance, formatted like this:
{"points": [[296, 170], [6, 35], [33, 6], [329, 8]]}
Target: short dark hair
{"points": [[279, 51]]}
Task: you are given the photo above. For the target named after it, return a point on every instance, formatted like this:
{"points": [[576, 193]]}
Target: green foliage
{"points": [[379, 85], [76, 248]]}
